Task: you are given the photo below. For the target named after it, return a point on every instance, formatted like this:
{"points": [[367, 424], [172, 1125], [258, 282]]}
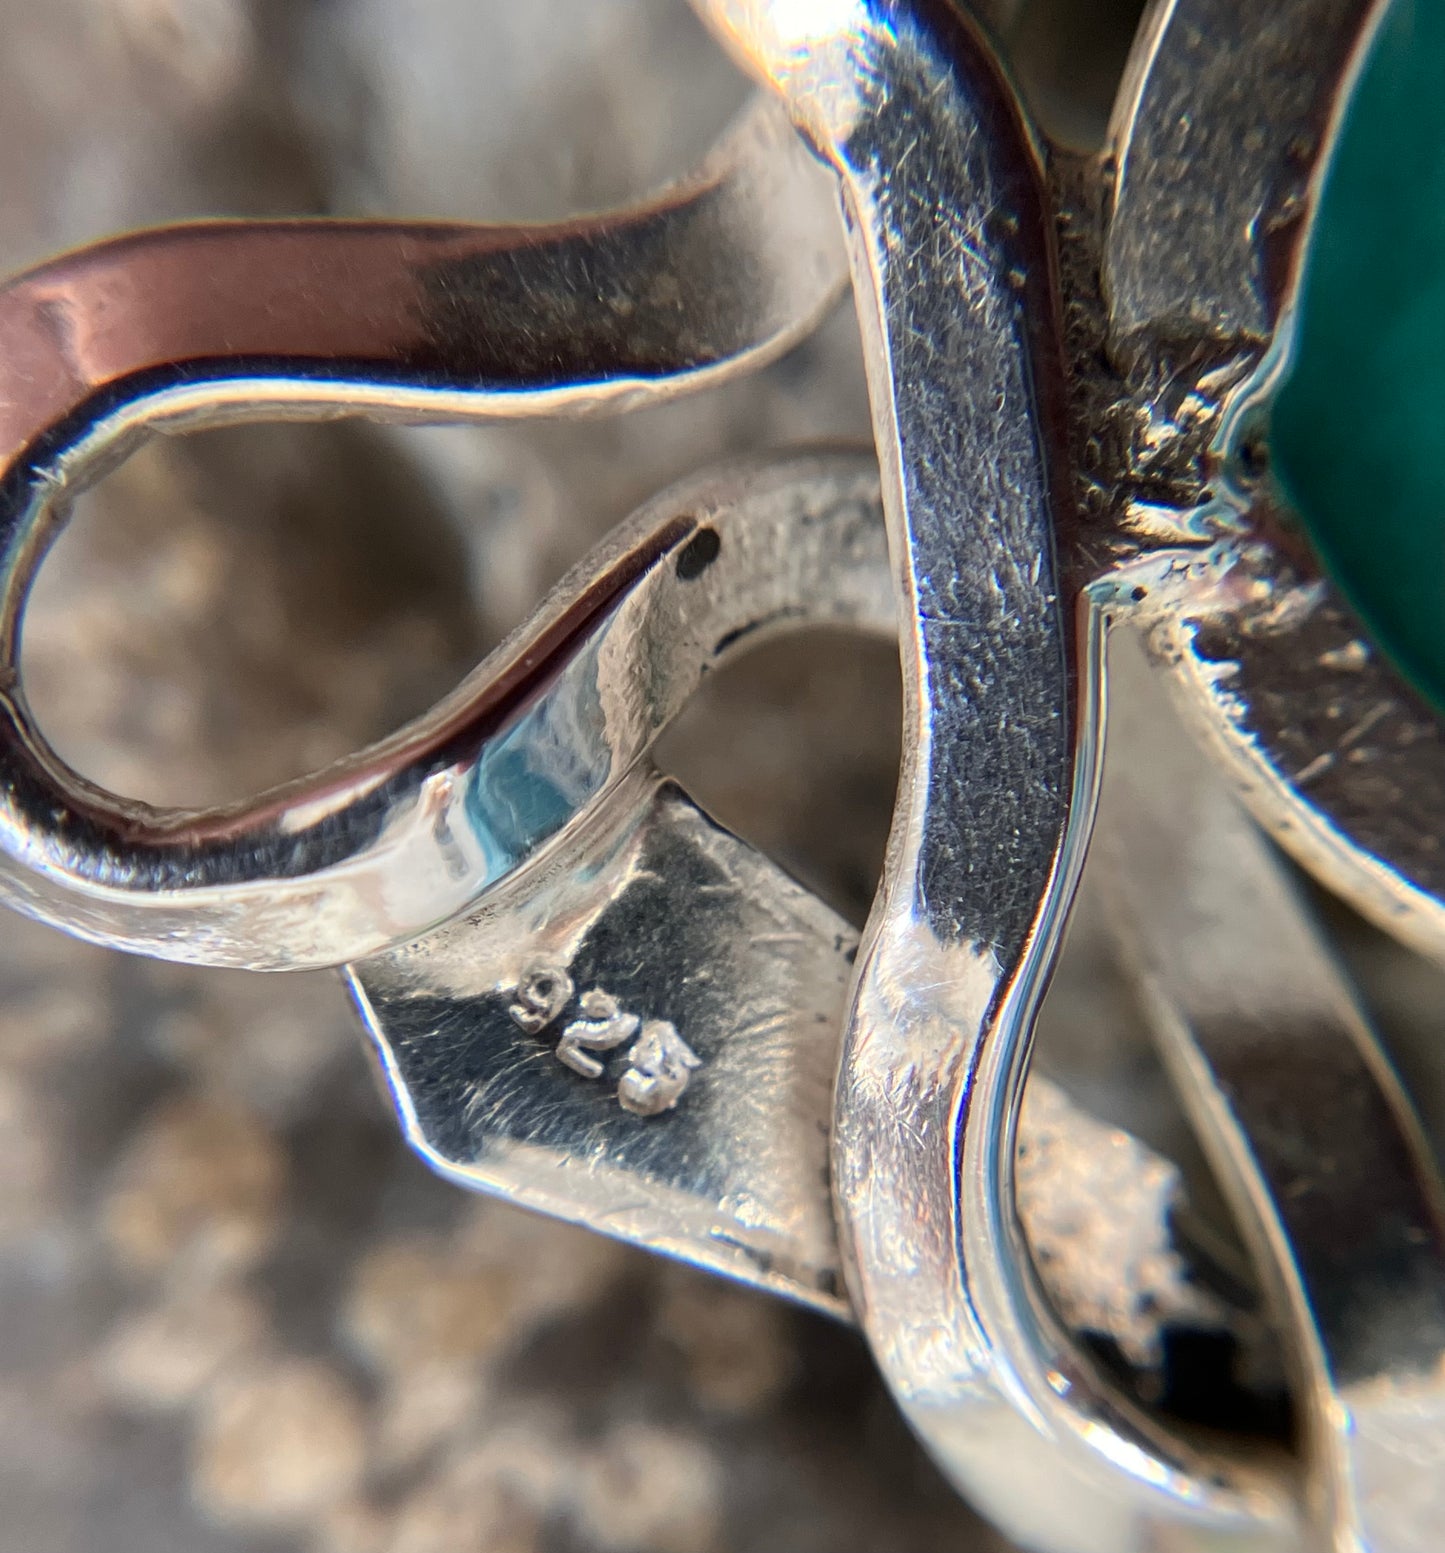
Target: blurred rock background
{"points": [[235, 1315]]}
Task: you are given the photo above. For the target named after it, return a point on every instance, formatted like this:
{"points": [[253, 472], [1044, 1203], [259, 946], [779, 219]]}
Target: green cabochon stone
{"points": [[1357, 431]]}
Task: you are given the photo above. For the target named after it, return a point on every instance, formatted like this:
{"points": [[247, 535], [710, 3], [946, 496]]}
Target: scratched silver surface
{"points": [[643, 915], [1201, 266], [677, 920], [1295, 1101], [213, 1243], [214, 1238], [985, 392], [109, 1389], [645, 901]]}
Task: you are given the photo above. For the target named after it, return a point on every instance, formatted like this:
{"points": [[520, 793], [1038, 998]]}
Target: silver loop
{"points": [[228, 321], [955, 277], [1006, 601], [422, 825], [513, 1039], [1006, 596], [1296, 1105]]}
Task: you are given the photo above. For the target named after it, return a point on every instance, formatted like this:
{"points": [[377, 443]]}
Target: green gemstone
{"points": [[1357, 431]]}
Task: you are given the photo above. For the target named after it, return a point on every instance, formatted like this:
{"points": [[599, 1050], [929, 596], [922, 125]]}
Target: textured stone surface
{"points": [[1357, 433]]}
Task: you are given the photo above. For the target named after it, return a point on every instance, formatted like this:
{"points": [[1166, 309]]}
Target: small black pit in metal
{"points": [[698, 554]]}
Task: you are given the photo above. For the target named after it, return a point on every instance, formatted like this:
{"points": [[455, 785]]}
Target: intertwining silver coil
{"points": [[511, 865]]}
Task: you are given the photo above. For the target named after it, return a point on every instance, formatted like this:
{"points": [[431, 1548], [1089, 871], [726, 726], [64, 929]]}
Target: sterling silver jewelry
{"points": [[1009, 582], [587, 996]]}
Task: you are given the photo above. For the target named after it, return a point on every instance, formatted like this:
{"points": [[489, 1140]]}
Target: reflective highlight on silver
{"points": [[996, 459], [539, 997], [717, 981], [693, 927], [241, 321], [951, 255], [646, 919], [587, 996], [1305, 1123], [601, 1026], [1202, 260], [658, 1070]]}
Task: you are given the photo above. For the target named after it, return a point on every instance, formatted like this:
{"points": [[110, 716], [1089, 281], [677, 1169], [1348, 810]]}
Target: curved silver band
{"points": [[954, 270], [200, 324], [525, 798]]}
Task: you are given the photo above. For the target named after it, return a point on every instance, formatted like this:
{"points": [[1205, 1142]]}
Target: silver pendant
{"points": [[588, 997]]}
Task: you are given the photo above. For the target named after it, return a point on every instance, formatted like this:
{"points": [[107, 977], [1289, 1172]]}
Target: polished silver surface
{"points": [[1304, 1121], [638, 1029], [225, 321], [588, 997], [951, 238], [1176, 266], [682, 923]]}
